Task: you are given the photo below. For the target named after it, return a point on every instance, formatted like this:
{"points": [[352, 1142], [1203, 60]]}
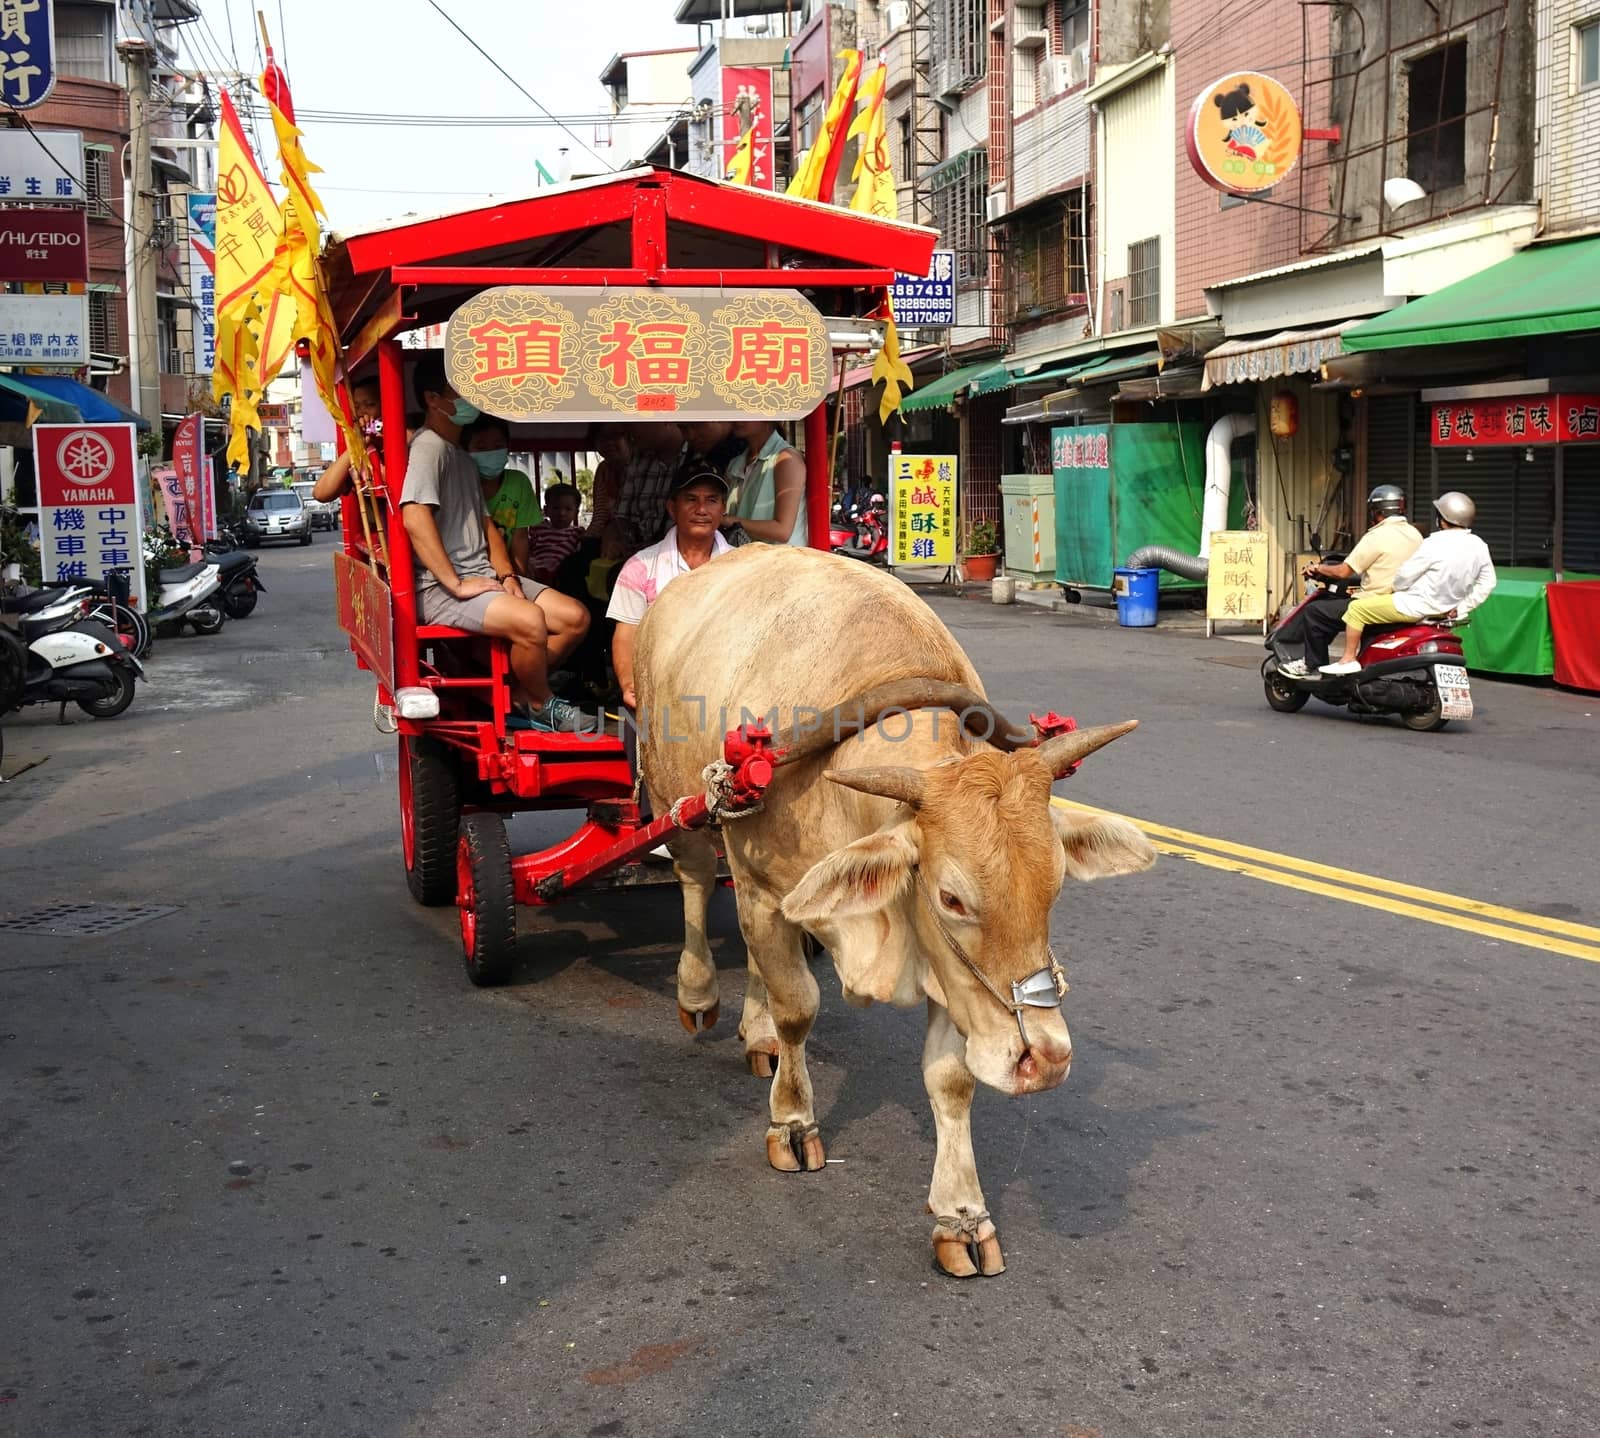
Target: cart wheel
{"points": [[486, 899], [430, 820]]}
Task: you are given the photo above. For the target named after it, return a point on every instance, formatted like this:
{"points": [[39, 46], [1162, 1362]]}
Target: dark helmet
{"points": [[1387, 499], [1456, 509]]}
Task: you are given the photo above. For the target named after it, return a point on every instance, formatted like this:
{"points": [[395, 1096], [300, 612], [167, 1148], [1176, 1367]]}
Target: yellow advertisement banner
{"points": [[1236, 585], [922, 509]]}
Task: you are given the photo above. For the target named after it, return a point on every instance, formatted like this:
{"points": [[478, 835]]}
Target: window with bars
{"points": [[83, 41], [171, 355], [1046, 263], [960, 40], [1144, 282], [97, 180], [105, 335], [959, 193], [903, 125]]}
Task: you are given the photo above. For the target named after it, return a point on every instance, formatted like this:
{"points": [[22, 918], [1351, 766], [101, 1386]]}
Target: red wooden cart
{"points": [[738, 280]]}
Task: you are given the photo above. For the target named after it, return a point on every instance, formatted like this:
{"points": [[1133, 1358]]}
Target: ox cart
{"points": [[644, 296]]}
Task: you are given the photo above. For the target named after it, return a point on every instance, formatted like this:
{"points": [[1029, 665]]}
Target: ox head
{"points": [[976, 854]]}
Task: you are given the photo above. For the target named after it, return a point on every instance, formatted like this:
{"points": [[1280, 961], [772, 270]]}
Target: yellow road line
{"points": [[1293, 873]]}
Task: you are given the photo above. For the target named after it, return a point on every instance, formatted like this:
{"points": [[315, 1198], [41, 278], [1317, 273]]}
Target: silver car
{"points": [[323, 516], [276, 514]]}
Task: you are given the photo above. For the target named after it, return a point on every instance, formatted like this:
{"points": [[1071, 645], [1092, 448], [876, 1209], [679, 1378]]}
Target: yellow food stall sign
{"points": [[590, 353], [1236, 585], [922, 509]]}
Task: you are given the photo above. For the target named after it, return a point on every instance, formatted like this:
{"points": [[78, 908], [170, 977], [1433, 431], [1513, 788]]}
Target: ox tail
{"points": [[823, 730]]}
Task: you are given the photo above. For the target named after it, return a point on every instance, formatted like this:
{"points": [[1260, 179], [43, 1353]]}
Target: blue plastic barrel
{"points": [[1136, 597]]}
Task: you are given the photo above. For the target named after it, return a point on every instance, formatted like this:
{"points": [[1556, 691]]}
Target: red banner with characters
{"points": [[187, 461], [746, 101], [1518, 419]]}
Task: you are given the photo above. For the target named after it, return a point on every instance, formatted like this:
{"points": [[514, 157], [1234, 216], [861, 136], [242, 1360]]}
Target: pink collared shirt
{"points": [[650, 571]]}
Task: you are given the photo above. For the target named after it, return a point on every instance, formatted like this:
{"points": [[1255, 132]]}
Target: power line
{"points": [[501, 68]]}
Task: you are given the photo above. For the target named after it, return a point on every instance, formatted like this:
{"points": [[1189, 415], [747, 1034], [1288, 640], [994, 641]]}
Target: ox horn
{"points": [[861, 712], [1062, 752], [892, 781]]}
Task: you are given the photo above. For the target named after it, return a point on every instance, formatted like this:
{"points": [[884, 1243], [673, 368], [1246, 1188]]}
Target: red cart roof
{"points": [[646, 226]]}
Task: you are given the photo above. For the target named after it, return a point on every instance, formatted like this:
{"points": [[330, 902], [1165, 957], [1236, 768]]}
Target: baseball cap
{"points": [[681, 482]]}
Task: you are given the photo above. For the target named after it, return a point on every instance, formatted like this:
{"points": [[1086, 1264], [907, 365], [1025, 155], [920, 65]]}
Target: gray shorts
{"points": [[441, 608]]}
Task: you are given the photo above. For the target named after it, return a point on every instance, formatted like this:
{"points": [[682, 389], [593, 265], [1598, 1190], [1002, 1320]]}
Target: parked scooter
{"points": [[188, 595], [82, 663], [240, 583], [866, 534], [1415, 670]]}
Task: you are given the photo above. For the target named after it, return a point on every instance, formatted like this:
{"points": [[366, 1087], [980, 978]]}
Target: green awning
{"points": [[51, 409], [942, 393], [1545, 289], [1114, 369], [1001, 376], [995, 377]]}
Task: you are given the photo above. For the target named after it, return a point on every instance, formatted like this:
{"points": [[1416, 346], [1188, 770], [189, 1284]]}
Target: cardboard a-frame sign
{"points": [[601, 353]]}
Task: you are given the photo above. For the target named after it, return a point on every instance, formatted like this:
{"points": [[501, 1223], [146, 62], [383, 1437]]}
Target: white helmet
{"points": [[1455, 508]]}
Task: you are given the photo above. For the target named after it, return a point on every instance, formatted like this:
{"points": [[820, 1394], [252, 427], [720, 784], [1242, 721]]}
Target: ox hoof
{"points": [[966, 1255], [698, 1023], [763, 1061], [793, 1149]]}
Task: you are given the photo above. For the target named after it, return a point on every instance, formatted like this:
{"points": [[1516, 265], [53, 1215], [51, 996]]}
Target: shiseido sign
{"points": [[44, 244]]}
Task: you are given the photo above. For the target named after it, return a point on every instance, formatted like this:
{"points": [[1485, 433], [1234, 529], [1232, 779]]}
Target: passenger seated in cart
{"points": [[558, 536], [508, 493], [463, 572], [768, 482], [335, 479]]}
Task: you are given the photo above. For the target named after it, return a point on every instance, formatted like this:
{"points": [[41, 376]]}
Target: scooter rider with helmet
{"points": [[1449, 576], [1378, 554]]}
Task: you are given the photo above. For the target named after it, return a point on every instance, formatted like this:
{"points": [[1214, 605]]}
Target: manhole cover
{"points": [[81, 920]]}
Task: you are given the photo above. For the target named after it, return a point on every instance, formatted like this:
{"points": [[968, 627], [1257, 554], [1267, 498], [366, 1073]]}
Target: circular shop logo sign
{"points": [[1244, 133], [84, 457]]}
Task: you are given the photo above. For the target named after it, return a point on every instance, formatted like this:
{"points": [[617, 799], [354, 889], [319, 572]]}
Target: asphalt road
{"points": [[268, 1165]]}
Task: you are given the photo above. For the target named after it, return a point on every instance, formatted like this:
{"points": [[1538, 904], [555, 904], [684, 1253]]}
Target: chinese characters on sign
{"points": [[27, 52], [43, 165], [203, 278], [1243, 134], [1080, 449], [927, 303], [598, 354], [362, 602], [746, 101], [1236, 586], [89, 503], [922, 509], [1531, 419], [44, 329], [42, 243]]}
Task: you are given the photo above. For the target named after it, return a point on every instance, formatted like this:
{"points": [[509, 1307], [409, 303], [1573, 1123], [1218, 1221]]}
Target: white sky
{"points": [[402, 57]]}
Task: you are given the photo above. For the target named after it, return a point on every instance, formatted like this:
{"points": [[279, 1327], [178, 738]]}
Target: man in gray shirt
{"points": [[464, 576]]}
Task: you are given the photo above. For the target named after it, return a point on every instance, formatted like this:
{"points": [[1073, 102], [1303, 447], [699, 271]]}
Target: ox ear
{"points": [[1100, 845], [860, 878]]}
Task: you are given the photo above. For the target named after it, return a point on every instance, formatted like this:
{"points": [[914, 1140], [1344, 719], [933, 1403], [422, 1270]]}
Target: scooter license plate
{"points": [[1455, 693]]}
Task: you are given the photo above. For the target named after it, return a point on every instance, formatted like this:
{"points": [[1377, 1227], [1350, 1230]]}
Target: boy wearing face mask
{"points": [[507, 493]]}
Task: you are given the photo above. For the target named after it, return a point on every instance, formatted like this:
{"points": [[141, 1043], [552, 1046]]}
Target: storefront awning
{"points": [[1009, 375], [90, 405], [1545, 289], [21, 393], [1118, 368], [1287, 352], [862, 373], [943, 392]]}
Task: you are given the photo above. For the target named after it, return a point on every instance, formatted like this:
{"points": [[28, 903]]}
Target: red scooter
{"points": [[1415, 670], [863, 533]]}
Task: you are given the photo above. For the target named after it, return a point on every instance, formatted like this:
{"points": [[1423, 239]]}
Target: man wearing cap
{"points": [[696, 504]]}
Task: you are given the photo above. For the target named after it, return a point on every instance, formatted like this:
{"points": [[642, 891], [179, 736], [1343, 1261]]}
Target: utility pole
{"points": [[144, 358]]}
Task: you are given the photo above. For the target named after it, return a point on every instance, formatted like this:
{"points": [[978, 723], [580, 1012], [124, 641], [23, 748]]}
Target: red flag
{"points": [[186, 456], [847, 87]]}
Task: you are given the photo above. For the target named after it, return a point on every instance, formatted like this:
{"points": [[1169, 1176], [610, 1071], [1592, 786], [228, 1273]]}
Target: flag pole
{"points": [[838, 418]]}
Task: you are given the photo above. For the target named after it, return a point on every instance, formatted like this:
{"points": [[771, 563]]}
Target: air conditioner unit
{"points": [[1078, 65], [897, 15], [995, 209], [1057, 75]]}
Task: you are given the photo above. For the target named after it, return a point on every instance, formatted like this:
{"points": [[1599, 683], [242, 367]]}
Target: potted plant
{"points": [[983, 550]]}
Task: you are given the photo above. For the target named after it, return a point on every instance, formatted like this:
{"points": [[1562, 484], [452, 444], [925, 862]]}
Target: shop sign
{"points": [[44, 329], [362, 602], [747, 101], [1531, 419], [1236, 581], [1074, 448], [927, 302], [89, 502], [186, 456], [923, 509], [1244, 133], [27, 52], [41, 164], [203, 278], [590, 353], [44, 244]]}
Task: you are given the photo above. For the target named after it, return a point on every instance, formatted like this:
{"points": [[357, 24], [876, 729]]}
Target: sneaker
{"points": [[1294, 669], [561, 717], [1352, 667]]}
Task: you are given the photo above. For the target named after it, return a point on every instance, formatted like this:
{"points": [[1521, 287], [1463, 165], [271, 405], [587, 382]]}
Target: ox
{"points": [[925, 860]]}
